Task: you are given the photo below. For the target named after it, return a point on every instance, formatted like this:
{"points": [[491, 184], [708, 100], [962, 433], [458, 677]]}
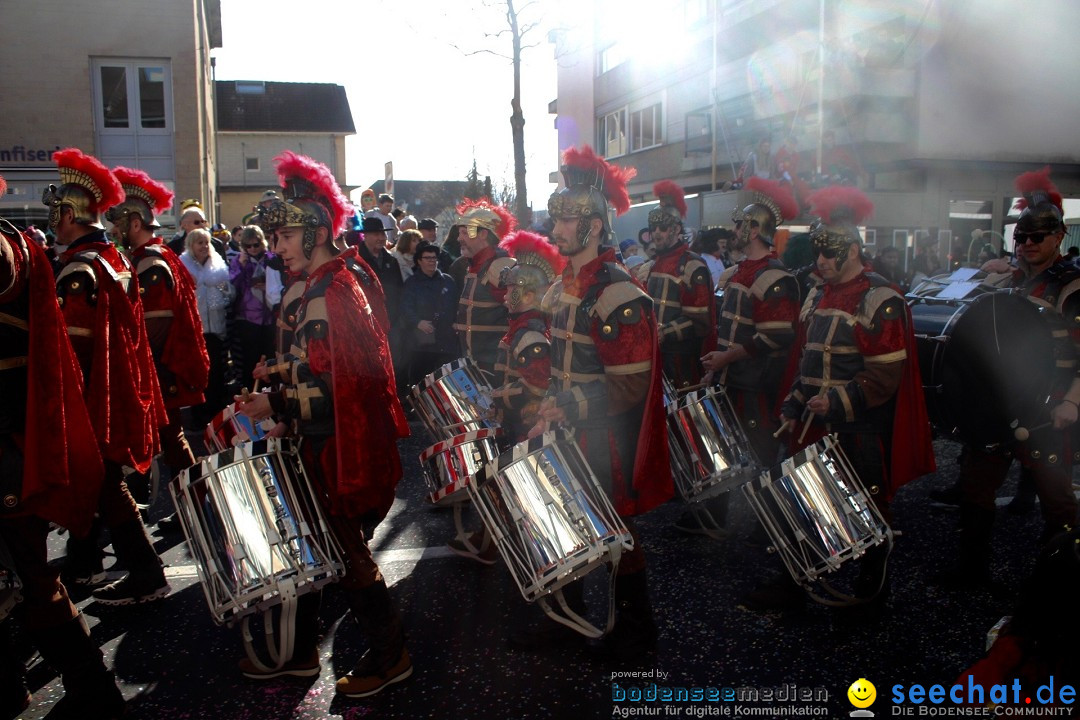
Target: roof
{"points": [[260, 106]]}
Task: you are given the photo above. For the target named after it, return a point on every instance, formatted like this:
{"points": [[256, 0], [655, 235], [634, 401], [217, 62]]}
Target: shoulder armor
{"points": [[618, 294], [491, 277], [726, 275], [699, 274], [526, 343], [883, 299], [774, 282], [153, 270], [76, 277]]}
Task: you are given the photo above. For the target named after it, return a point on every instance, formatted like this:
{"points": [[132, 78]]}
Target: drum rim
{"points": [[442, 446]]}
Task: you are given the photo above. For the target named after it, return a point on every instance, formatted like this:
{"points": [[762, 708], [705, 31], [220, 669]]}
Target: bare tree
{"points": [[519, 30]]}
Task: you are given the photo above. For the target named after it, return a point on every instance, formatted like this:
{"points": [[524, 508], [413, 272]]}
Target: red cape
{"points": [[62, 469], [368, 417], [185, 349], [122, 392]]}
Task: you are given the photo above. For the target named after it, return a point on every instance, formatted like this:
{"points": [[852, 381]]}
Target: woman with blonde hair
{"points": [[214, 294]]}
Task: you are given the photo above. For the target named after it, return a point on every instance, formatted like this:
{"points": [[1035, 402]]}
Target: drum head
{"points": [[995, 368]]}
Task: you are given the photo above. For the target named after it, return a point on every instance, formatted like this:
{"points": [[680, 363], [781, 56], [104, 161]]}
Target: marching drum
{"points": [[986, 364], [450, 465], [454, 399], [816, 511], [711, 451], [256, 532], [549, 518], [231, 427]]}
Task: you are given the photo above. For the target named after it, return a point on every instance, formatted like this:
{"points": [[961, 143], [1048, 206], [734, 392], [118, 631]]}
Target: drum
{"points": [[547, 514], [986, 364], [231, 427], [709, 444], [450, 465], [453, 400], [816, 511], [253, 525]]}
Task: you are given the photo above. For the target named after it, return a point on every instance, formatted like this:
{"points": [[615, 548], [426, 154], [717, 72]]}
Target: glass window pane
{"points": [[152, 97], [114, 100]]}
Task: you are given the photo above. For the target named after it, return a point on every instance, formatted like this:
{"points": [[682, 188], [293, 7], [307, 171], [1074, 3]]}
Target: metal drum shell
{"points": [[710, 449], [816, 511], [251, 521], [547, 514], [438, 400], [450, 465]]}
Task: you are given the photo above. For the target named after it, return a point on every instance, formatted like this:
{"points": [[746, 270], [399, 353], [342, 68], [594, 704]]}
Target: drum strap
{"points": [[280, 651]]}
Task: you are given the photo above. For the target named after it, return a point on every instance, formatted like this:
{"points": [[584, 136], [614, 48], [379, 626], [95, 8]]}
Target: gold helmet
{"points": [[143, 196], [591, 183], [86, 186], [537, 262], [313, 199], [476, 214], [840, 209], [672, 208], [1040, 204], [773, 204]]}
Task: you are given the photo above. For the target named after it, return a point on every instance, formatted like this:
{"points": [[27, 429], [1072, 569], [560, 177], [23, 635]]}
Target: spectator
{"points": [[403, 251], [374, 253], [383, 211], [838, 166], [407, 223], [214, 294], [712, 244], [254, 327], [786, 161], [887, 265], [1071, 254], [644, 241], [628, 248], [430, 231], [428, 306], [758, 163]]}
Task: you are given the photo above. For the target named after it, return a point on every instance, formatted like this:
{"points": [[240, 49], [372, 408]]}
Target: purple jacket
{"points": [[250, 300]]}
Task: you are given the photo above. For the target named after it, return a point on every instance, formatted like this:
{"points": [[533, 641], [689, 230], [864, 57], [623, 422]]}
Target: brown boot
{"points": [[387, 659]]}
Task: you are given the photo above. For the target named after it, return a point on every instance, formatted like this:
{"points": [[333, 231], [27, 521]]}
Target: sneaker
{"points": [[366, 679], [464, 548], [132, 590], [307, 666], [84, 577]]}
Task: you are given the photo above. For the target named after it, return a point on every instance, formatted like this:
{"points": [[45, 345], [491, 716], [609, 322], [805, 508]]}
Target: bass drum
{"points": [[987, 365]]}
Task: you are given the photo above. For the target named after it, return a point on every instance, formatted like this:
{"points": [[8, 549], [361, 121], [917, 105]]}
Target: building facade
{"points": [[257, 120], [940, 104], [127, 82]]}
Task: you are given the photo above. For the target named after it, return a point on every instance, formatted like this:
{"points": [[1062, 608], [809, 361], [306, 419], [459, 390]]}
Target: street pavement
{"points": [[172, 661]]}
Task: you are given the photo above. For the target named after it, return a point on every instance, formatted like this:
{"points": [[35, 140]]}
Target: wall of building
{"points": [[235, 148]]}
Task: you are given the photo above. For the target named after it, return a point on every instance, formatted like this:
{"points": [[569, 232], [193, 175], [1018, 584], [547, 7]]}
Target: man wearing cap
{"points": [[170, 308], [383, 212], [606, 377], [338, 389], [430, 229], [681, 288], [99, 294], [858, 377], [1046, 456], [481, 316], [45, 477]]}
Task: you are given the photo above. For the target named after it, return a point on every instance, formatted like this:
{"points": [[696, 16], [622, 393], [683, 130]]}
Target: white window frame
{"points": [[657, 109], [131, 75], [611, 57], [247, 166], [617, 115]]}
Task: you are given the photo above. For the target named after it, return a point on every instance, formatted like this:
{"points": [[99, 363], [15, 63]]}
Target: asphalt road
{"points": [[173, 662]]}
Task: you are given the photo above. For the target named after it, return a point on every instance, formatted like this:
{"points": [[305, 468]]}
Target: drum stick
{"points": [[1022, 433], [809, 419], [245, 396], [258, 382], [783, 429]]}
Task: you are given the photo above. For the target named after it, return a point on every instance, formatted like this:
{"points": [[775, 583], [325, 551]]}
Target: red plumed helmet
{"points": [[78, 168], [783, 200], [582, 166], [1033, 183], [671, 194], [485, 214], [529, 248], [303, 178], [138, 183], [841, 204]]}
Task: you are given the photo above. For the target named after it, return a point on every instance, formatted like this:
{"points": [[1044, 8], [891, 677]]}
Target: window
{"points": [[132, 95], [251, 164], [612, 130], [114, 97], [152, 97], [699, 132], [611, 56], [645, 127]]}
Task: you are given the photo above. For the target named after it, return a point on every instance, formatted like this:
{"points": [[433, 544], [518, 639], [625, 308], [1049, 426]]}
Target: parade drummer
{"points": [[339, 391], [681, 287], [170, 308], [481, 316], [858, 377], [100, 300], [606, 377], [1050, 281], [45, 478], [756, 326]]}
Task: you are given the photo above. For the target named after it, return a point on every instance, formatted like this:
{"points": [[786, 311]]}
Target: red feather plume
{"points": [[671, 193], [101, 176], [523, 241], [161, 197], [614, 177], [779, 192], [826, 202], [290, 164], [507, 221], [1029, 182]]}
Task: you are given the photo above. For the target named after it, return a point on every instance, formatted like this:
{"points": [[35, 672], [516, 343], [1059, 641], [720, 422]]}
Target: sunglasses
{"points": [[1025, 238], [826, 252]]}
